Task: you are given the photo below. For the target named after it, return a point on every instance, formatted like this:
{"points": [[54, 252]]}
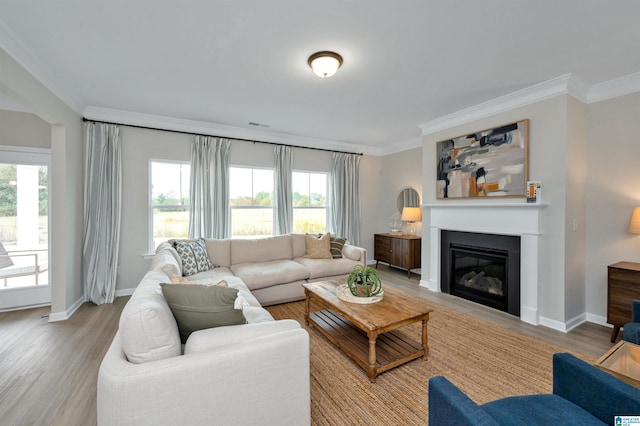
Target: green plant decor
{"points": [[364, 281]]}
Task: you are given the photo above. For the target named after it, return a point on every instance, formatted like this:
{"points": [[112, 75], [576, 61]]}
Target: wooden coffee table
{"points": [[368, 334]]}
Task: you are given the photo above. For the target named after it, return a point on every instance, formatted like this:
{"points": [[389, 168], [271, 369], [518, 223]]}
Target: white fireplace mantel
{"points": [[520, 219]]}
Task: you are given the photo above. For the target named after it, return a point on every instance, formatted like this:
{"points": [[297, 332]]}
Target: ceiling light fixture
{"points": [[325, 64]]}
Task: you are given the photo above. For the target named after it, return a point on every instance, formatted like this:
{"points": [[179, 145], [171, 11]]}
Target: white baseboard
{"points": [[598, 319], [65, 315], [20, 308], [556, 325], [576, 321], [124, 292], [429, 285]]}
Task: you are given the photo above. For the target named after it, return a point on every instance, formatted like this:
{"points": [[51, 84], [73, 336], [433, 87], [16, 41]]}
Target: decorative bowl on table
{"points": [[363, 286], [344, 294]]}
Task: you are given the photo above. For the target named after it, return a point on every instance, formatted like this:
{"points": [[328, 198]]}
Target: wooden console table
{"points": [[623, 285], [398, 250]]}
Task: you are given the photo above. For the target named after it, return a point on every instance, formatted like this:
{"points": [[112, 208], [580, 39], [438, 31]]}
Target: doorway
{"points": [[24, 227]]}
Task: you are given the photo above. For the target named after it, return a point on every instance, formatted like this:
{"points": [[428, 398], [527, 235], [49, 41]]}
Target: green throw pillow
{"points": [[197, 307]]}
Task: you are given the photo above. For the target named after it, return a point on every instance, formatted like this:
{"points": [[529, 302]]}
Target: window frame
{"points": [[326, 205], [150, 205], [272, 207]]}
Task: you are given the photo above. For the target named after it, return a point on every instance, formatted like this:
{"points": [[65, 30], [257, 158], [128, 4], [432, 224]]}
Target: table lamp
{"points": [[634, 224], [414, 214]]}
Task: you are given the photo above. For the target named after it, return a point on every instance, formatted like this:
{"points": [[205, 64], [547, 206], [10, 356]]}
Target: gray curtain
{"points": [[344, 218], [209, 188], [282, 199], [102, 207]]}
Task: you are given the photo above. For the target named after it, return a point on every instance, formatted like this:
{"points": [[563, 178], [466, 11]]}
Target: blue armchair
{"points": [[582, 395], [631, 330]]}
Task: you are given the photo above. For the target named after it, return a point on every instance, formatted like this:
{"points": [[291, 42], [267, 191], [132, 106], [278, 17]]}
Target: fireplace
{"points": [[483, 268]]}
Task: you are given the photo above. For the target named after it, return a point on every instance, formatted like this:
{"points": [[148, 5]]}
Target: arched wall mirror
{"points": [[408, 197]]}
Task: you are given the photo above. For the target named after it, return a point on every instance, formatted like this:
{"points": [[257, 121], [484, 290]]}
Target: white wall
{"points": [[400, 170], [139, 146], [612, 191], [24, 129], [548, 160], [65, 185]]}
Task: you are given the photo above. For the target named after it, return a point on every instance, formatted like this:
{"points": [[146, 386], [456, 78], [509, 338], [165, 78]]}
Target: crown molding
{"points": [[621, 86], [11, 44], [206, 128], [402, 146], [536, 93], [564, 84]]}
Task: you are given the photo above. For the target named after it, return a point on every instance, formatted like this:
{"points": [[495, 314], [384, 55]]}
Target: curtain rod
{"points": [[200, 134]]}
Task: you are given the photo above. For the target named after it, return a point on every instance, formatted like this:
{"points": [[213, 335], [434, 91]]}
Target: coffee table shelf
{"points": [[393, 348]]}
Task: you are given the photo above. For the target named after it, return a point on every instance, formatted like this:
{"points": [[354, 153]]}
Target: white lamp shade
{"points": [[325, 64], [412, 214], [634, 224]]}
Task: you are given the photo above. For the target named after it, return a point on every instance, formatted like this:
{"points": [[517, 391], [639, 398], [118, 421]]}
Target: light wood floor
{"points": [[48, 371]]}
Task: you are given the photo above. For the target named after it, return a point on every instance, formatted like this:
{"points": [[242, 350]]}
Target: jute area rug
{"points": [[485, 360]]}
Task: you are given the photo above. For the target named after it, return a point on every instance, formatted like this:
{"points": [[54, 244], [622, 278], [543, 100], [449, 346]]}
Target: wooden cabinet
{"points": [[623, 285], [398, 250]]}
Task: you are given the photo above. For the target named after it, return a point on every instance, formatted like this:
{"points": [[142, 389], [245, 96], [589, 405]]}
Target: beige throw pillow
{"points": [[318, 247]]}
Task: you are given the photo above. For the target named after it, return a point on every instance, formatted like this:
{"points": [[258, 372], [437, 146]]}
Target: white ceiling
{"points": [[233, 62]]}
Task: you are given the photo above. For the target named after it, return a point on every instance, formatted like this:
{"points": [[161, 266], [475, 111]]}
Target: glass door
{"points": [[24, 230]]}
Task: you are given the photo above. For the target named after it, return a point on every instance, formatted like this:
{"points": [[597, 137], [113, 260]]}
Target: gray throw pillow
{"points": [[194, 256], [197, 306]]}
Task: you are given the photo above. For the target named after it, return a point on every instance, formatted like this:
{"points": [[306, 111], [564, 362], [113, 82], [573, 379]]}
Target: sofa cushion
{"points": [[538, 410], [219, 252], [298, 244], [319, 268], [193, 254], [337, 244], [318, 247], [265, 274], [261, 250], [197, 306], [255, 315], [148, 330], [221, 273], [214, 338]]}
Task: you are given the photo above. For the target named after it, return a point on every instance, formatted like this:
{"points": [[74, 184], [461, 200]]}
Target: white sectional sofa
{"points": [[254, 373]]}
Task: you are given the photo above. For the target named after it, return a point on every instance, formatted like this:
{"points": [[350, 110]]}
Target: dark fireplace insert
{"points": [[483, 268]]}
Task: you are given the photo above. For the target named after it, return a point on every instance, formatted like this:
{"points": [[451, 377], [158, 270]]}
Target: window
{"points": [[169, 201], [309, 202], [251, 201]]}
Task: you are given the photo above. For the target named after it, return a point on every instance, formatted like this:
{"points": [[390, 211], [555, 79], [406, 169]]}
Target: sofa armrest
{"points": [[214, 338], [264, 380], [356, 253], [599, 393], [448, 405]]}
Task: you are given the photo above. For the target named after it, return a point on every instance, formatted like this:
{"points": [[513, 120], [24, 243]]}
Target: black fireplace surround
{"points": [[484, 268]]}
